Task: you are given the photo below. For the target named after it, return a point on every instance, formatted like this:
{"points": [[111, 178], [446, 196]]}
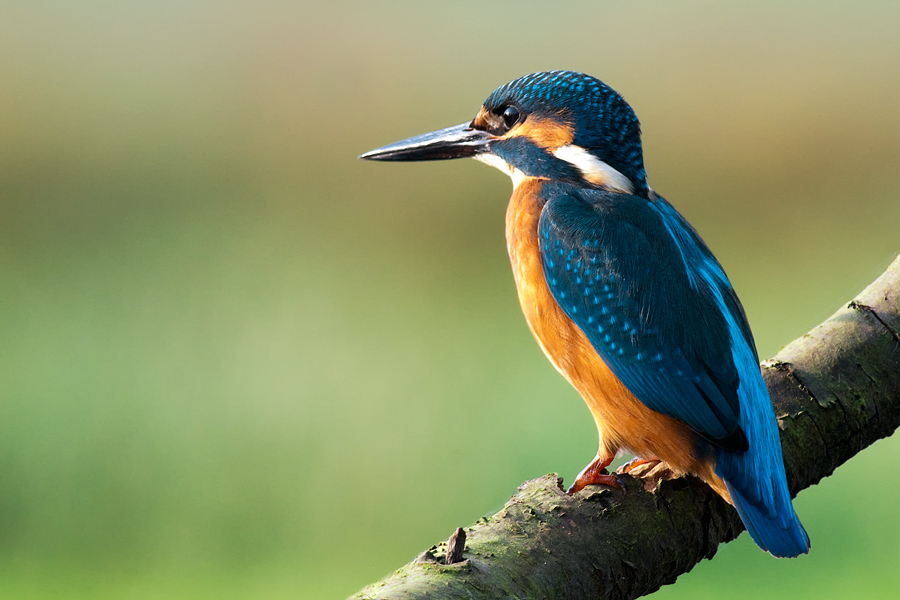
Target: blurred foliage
{"points": [[239, 362]]}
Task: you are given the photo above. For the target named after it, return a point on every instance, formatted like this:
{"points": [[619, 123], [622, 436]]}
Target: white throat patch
{"points": [[495, 161], [593, 169]]}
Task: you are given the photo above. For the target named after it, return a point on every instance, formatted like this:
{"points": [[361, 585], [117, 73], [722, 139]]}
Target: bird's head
{"points": [[557, 125]]}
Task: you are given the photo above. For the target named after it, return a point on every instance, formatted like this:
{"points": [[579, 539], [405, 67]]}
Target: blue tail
{"points": [[780, 533], [758, 487], [755, 478]]}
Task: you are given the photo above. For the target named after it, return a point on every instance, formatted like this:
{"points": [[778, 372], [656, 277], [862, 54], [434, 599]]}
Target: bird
{"points": [[624, 297]]}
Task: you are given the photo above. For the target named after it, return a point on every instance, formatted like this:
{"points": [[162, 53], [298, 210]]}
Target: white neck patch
{"points": [[593, 169], [497, 162]]}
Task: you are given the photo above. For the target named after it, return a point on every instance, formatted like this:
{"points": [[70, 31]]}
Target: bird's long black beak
{"points": [[459, 141]]}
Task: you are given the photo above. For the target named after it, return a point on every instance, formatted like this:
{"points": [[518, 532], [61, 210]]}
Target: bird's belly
{"points": [[623, 421]]}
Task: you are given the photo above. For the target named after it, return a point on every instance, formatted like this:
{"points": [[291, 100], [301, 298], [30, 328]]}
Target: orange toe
{"points": [[594, 474], [634, 463]]}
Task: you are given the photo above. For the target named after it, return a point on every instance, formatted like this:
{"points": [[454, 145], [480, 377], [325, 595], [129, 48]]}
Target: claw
{"points": [[594, 474], [636, 462]]}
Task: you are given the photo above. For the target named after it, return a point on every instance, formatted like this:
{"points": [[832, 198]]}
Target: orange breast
{"points": [[622, 420]]}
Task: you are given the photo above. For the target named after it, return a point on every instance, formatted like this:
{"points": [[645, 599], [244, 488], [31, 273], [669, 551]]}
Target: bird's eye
{"points": [[510, 116]]}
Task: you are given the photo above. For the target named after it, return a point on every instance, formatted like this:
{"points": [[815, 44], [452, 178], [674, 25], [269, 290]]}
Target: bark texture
{"points": [[835, 390]]}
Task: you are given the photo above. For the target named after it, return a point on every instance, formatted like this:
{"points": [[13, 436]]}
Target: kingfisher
{"points": [[624, 297]]}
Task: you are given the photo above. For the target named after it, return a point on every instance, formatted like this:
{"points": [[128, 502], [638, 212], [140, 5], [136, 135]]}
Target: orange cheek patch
{"points": [[480, 120], [548, 133]]}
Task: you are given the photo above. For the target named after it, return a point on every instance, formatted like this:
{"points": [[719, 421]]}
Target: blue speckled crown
{"points": [[604, 123]]}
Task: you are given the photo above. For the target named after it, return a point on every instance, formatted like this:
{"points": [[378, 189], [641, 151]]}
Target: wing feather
{"points": [[616, 269]]}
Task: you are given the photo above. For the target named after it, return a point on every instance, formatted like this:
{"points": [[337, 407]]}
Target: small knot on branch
{"points": [[456, 546]]}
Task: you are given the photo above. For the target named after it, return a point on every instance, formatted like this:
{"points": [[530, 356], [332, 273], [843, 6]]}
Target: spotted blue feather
{"points": [[615, 270]]}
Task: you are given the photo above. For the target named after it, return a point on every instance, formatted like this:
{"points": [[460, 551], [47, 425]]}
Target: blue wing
{"points": [[618, 267]]}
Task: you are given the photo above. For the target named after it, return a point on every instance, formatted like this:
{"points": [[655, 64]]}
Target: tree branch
{"points": [[835, 390]]}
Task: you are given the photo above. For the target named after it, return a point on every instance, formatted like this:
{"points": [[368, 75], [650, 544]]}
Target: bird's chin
{"points": [[498, 163]]}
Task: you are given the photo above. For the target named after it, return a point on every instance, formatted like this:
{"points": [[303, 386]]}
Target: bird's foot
{"points": [[638, 466], [649, 471], [595, 474]]}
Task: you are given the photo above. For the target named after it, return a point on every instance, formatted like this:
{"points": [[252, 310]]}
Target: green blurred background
{"points": [[238, 362]]}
